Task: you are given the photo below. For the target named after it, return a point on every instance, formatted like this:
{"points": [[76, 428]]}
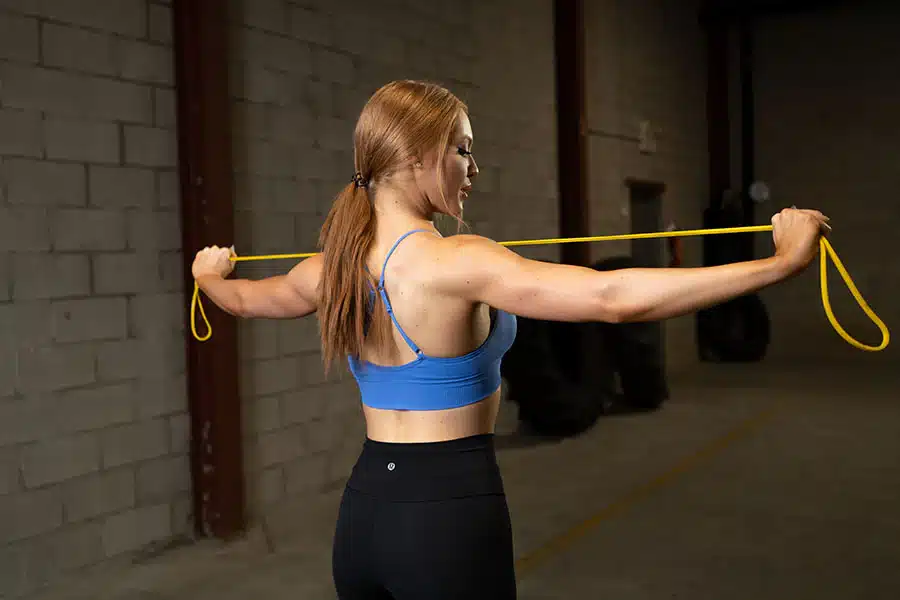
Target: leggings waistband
{"points": [[473, 442], [417, 472]]}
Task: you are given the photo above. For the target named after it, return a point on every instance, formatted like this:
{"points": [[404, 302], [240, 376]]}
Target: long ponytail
{"points": [[401, 120], [345, 318]]}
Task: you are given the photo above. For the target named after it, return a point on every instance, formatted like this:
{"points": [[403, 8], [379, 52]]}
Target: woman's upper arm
{"points": [[481, 270], [285, 296]]}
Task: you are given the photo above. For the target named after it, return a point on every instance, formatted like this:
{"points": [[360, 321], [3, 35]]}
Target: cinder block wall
{"points": [[827, 96], [93, 428], [645, 61]]}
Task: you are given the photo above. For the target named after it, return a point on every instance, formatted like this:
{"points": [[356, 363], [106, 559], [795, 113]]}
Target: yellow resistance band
{"points": [[826, 251]]}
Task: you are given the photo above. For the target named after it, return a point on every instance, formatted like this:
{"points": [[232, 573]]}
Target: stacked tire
{"points": [[565, 376]]}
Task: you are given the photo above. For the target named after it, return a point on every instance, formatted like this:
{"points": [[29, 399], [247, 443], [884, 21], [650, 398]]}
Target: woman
{"points": [[424, 321]]}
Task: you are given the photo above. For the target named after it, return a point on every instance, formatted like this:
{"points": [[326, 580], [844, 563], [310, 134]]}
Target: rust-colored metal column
{"points": [[571, 129], [207, 218]]}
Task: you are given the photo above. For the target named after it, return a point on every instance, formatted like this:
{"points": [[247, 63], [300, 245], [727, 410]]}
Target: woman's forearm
{"points": [[225, 293], [647, 294], [276, 297]]}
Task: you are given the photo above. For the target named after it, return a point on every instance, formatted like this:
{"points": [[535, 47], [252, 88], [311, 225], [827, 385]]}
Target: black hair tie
{"points": [[359, 180]]}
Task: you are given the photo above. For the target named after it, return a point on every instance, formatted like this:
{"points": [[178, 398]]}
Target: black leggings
{"points": [[425, 521]]}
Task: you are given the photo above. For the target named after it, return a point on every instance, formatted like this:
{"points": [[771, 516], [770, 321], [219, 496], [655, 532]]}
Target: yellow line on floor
{"points": [[558, 543]]}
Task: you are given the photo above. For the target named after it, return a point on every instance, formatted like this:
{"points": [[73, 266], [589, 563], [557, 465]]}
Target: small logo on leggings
{"points": [[391, 466]]}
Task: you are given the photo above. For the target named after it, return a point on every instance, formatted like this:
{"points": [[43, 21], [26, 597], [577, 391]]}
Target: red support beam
{"points": [[207, 218], [572, 129]]}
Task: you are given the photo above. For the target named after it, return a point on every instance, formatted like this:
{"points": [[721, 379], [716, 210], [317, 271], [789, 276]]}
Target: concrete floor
{"points": [[752, 482]]}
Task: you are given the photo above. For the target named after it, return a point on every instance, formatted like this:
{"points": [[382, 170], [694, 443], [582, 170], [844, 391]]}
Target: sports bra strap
{"points": [[383, 292], [391, 251]]}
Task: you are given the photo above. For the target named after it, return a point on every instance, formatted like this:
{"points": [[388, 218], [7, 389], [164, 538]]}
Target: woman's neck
{"points": [[395, 210]]}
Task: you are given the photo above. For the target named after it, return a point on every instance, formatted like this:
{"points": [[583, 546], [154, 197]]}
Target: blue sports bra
{"points": [[429, 382]]}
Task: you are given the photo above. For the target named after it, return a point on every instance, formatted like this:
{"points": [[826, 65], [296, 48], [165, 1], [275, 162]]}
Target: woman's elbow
{"points": [[611, 305], [238, 310], [240, 304], [618, 313]]}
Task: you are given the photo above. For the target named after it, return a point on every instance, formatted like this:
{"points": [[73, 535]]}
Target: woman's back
{"points": [[438, 375], [440, 324]]}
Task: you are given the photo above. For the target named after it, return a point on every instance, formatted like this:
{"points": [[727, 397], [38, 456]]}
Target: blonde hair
{"points": [[403, 120]]}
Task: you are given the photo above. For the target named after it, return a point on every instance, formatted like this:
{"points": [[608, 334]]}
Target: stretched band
{"points": [[826, 251]]}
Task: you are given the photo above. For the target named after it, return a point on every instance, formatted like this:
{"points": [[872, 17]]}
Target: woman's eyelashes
{"points": [[463, 152]]}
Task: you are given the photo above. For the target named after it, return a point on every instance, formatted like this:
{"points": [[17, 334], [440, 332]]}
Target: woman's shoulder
{"points": [[457, 249], [429, 258], [455, 263]]}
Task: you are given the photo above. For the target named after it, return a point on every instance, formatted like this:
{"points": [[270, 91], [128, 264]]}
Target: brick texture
{"points": [[5, 279], [135, 442], [82, 141], [74, 94], [18, 38], [37, 511], [97, 51], [53, 368], [20, 133], [134, 529], [9, 470], [93, 412], [46, 275], [89, 319], [24, 229], [88, 229], [37, 183], [60, 459], [98, 494], [118, 187]]}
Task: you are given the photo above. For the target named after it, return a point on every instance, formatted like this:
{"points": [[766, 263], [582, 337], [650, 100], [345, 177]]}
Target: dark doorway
{"points": [[645, 207]]}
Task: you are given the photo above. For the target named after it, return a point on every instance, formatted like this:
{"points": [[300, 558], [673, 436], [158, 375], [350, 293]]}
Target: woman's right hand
{"points": [[213, 261], [796, 234]]}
